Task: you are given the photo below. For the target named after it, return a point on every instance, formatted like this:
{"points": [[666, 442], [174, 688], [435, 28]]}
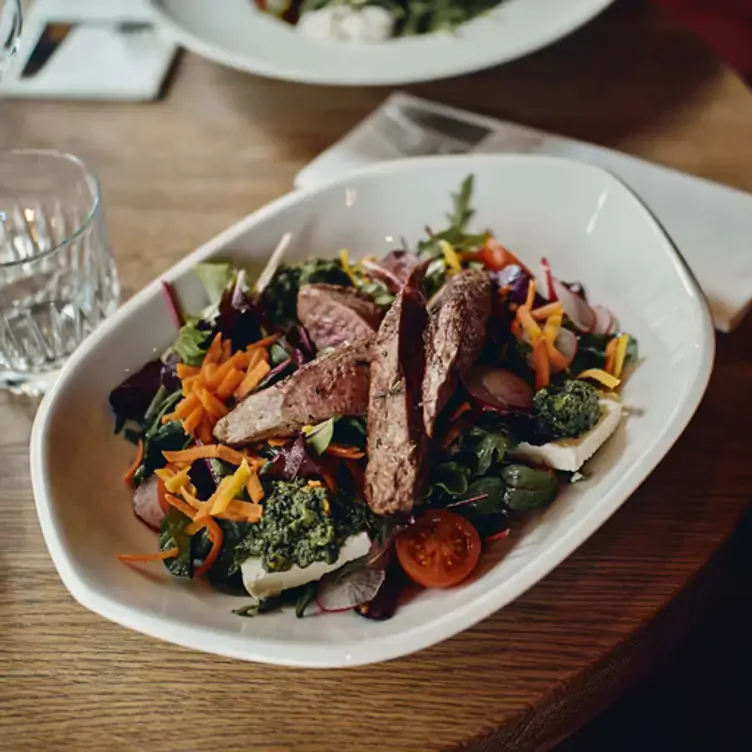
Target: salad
{"points": [[343, 429], [373, 20]]}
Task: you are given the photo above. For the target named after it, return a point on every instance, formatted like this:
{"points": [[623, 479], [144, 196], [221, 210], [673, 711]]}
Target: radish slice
{"points": [[580, 313], [546, 282], [498, 389], [605, 323], [346, 591], [566, 344], [146, 503]]}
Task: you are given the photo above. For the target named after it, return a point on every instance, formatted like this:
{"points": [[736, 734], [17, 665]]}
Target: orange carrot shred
{"points": [[254, 488], [137, 460], [185, 371], [252, 380], [216, 537], [254, 358], [461, 410], [541, 364], [184, 408], [555, 357], [206, 452], [161, 495], [189, 384], [193, 421], [180, 505], [214, 352], [236, 362], [204, 432], [161, 556], [229, 384], [346, 452], [226, 349], [211, 404], [610, 355], [277, 442], [314, 484], [270, 340]]}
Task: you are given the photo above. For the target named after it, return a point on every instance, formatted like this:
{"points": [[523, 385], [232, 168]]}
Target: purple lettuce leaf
{"points": [[293, 461], [132, 398]]}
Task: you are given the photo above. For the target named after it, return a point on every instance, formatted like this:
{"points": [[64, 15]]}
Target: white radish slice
{"points": [[545, 282], [578, 311], [605, 323], [498, 388], [346, 591], [566, 344], [146, 503]]}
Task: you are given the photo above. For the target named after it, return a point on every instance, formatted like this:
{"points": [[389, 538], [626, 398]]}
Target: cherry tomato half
{"points": [[439, 550], [495, 256]]}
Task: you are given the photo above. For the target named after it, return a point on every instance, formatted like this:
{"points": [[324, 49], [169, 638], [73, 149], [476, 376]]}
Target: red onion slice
{"points": [[345, 592], [146, 503], [498, 388], [578, 311]]}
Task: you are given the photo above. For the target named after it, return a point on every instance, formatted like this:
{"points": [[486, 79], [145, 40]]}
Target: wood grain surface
{"points": [[220, 145]]}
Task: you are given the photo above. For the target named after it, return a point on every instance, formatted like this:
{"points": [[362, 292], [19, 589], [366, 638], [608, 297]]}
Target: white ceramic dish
{"points": [[590, 227], [241, 37]]}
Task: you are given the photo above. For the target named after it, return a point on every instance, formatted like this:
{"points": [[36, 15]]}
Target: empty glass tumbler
{"points": [[57, 275]]}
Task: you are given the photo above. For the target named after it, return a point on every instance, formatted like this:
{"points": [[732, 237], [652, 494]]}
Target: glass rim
{"points": [[85, 225]]}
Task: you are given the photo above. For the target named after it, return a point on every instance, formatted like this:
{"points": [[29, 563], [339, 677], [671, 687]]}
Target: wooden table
{"points": [[220, 145]]}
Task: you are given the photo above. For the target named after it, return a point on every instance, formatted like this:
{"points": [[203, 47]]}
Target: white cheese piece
{"points": [[571, 454], [343, 24], [262, 584]]}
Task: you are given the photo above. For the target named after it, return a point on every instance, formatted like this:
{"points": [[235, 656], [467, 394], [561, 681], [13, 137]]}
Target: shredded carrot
{"points": [[137, 460], [356, 471], [226, 349], [216, 536], [541, 364], [254, 488], [270, 340], [189, 384], [250, 511], [454, 431], [195, 526], [530, 326], [557, 360], [252, 380], [346, 452], [214, 352], [206, 452], [191, 499], [177, 481], [542, 313], [161, 556], [204, 432], [229, 384], [277, 442], [193, 421], [184, 371], [530, 295], [207, 372], [314, 484], [236, 362], [254, 460], [211, 404], [184, 408], [461, 410], [610, 356], [179, 504], [254, 358]]}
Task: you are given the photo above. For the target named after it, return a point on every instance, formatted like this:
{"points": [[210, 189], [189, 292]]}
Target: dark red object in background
{"points": [[725, 24]]}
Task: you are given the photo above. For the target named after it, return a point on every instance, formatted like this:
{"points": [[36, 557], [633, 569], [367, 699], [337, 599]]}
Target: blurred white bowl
{"points": [[240, 36], [589, 226]]}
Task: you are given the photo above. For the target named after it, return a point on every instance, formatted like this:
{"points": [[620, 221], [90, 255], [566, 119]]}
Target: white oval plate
{"points": [[239, 36], [591, 228]]}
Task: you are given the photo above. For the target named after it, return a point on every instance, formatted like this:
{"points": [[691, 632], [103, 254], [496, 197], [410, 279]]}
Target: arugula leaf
{"points": [[462, 212], [192, 343]]}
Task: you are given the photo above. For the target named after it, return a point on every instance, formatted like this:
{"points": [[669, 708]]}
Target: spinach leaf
{"points": [[306, 597], [528, 489], [489, 492], [489, 447], [449, 478], [274, 603]]}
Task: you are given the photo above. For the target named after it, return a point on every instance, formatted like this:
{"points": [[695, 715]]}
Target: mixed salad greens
{"points": [[288, 516], [374, 20]]}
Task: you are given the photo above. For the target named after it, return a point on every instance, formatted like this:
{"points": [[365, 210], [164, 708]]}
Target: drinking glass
{"points": [[57, 274]]}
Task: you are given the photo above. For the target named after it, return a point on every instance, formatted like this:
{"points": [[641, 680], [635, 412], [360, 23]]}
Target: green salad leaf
{"points": [[527, 488], [216, 277]]}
